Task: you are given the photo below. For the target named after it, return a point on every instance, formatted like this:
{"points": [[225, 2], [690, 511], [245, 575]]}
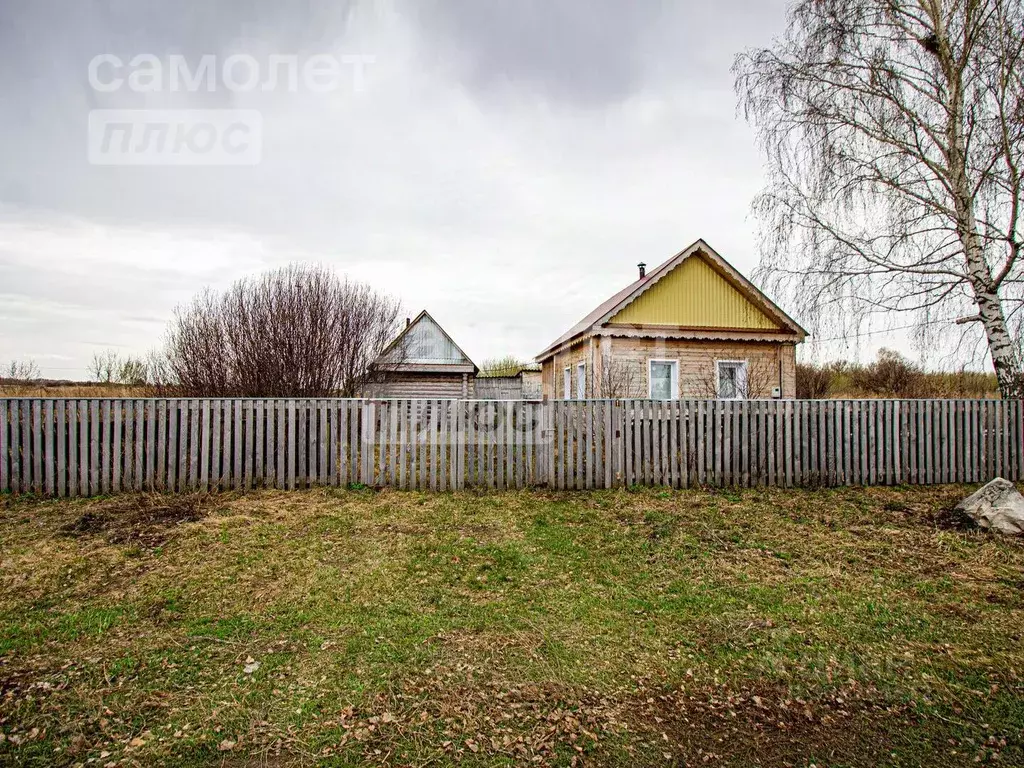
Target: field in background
{"points": [[835, 627], [71, 389]]}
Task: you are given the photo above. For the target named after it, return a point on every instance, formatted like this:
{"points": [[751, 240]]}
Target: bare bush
{"points": [[891, 375], [813, 382], [298, 331], [103, 366], [109, 367], [761, 376], [620, 380], [21, 370]]}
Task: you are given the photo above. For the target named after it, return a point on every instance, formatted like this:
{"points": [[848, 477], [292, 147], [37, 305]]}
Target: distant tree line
{"points": [[890, 375]]}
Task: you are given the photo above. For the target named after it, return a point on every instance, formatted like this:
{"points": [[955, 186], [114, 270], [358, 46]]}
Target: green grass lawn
{"points": [[833, 627]]}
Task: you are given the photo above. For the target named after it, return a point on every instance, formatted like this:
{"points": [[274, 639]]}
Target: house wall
{"points": [[531, 385], [499, 388], [413, 385], [552, 369], [697, 364], [624, 363]]}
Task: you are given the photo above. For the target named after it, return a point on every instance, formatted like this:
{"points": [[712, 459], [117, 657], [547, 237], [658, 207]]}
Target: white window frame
{"points": [[674, 385], [581, 381], [741, 381], [567, 383]]}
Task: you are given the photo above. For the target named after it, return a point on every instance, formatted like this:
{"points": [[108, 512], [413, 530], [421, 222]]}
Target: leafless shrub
{"points": [[102, 366], [298, 331], [109, 367], [761, 377], [21, 370], [813, 382], [620, 380], [891, 375]]}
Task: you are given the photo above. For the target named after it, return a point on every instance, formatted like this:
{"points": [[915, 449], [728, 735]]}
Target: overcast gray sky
{"points": [[503, 164]]}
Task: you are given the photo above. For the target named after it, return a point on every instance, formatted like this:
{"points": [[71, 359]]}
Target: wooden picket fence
{"points": [[87, 447]]}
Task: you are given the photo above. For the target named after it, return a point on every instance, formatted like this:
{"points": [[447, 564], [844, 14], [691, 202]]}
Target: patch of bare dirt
{"points": [[142, 520]]}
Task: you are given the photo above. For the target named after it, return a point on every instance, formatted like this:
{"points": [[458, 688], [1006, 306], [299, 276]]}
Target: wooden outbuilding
{"points": [[424, 361]]}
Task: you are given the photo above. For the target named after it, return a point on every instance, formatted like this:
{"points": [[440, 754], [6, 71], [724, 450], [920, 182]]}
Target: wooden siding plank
{"points": [[6, 486], [24, 431], [442, 445], [355, 446], [218, 433], [73, 476], [402, 444], [160, 468], [417, 478], [291, 438], [206, 440], [301, 423], [1019, 433]]}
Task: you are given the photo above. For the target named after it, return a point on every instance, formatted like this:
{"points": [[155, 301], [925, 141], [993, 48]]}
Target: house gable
{"points": [[694, 294], [706, 299], [424, 344]]}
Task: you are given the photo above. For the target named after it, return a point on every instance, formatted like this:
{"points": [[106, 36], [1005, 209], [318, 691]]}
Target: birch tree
{"points": [[894, 131]]}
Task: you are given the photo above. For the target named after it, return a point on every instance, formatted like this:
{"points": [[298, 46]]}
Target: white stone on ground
{"points": [[996, 506]]}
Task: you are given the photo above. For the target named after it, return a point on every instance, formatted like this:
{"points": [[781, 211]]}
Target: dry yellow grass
{"points": [[73, 390]]}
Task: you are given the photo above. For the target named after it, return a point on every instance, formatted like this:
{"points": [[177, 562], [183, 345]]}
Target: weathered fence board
{"points": [[88, 447]]}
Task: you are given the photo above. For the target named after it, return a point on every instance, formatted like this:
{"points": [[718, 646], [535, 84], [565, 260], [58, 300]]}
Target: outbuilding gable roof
{"points": [[423, 344]]}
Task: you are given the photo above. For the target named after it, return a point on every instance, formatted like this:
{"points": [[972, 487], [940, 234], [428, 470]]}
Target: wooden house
{"points": [[692, 327], [423, 361]]}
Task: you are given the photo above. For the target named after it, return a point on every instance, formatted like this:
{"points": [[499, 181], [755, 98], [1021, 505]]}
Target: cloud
{"points": [[505, 165]]}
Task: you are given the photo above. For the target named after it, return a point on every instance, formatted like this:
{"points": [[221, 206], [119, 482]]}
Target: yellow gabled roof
{"points": [[759, 313], [695, 295]]}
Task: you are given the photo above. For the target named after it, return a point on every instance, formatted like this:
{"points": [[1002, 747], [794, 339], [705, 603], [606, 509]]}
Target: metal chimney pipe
{"points": [[643, 269]]}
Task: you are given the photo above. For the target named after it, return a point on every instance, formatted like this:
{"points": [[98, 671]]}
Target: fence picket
{"points": [[49, 444]]}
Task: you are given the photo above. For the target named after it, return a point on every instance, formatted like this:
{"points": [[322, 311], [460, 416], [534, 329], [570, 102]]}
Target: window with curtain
{"points": [[732, 380], [664, 379]]}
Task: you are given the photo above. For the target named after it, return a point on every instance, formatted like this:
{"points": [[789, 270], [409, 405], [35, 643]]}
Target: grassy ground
{"points": [[834, 628]]}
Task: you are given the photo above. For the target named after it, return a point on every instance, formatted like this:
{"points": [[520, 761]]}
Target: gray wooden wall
{"points": [[99, 446], [499, 387]]}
